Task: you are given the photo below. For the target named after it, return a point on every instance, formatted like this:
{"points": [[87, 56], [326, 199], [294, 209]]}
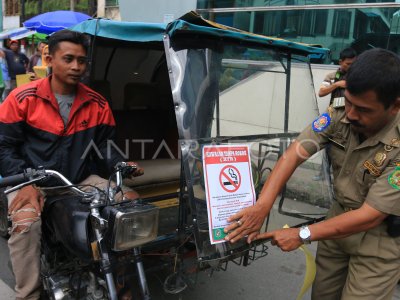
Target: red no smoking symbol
{"points": [[230, 178]]}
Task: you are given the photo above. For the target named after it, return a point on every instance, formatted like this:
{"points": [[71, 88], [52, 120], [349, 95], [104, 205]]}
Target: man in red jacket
{"points": [[58, 123]]}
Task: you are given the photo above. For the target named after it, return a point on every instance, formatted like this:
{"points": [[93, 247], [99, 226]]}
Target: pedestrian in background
{"points": [[335, 82], [36, 58], [17, 62]]}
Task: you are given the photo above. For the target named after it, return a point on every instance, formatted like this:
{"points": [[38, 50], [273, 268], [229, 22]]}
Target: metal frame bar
{"points": [[297, 7]]}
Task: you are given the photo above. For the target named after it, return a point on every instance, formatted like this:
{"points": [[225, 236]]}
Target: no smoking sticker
{"points": [[228, 185], [229, 179]]}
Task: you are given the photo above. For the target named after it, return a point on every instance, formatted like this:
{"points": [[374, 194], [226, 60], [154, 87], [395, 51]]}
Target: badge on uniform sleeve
{"points": [[394, 178], [321, 122]]}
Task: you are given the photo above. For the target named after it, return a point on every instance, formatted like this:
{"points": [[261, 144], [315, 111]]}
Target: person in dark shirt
{"points": [[17, 62]]}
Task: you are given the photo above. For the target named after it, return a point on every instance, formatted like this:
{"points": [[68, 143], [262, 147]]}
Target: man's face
{"points": [[40, 48], [68, 63], [366, 114], [346, 63], [46, 52], [14, 47]]}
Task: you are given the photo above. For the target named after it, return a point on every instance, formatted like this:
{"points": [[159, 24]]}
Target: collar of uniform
{"points": [[44, 91], [340, 72], [386, 135], [390, 131]]}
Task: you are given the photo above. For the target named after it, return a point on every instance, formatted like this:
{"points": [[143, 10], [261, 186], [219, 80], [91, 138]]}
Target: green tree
{"points": [[32, 7]]}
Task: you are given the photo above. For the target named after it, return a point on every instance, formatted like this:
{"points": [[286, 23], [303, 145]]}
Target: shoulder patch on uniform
{"points": [[321, 122], [394, 178], [394, 163]]}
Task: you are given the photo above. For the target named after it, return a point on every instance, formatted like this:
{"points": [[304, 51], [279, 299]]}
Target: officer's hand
{"points": [[27, 195], [287, 239], [341, 84], [138, 171], [246, 222]]}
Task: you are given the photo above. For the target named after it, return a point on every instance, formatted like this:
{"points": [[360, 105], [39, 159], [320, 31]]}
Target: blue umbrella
{"points": [[55, 20]]}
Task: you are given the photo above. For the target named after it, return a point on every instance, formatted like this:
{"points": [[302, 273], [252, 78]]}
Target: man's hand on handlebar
{"points": [[25, 196], [136, 169]]}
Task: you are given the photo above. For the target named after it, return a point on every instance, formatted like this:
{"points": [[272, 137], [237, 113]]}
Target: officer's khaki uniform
{"points": [[337, 96], [365, 265]]}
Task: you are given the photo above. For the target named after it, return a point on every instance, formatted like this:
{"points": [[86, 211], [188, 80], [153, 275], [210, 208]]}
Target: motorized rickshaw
{"points": [[176, 88]]}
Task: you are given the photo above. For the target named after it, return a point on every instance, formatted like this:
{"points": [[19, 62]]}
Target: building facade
{"points": [[157, 11], [333, 24]]}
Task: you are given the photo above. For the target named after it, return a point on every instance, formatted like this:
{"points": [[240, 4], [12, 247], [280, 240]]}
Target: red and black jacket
{"points": [[32, 132]]}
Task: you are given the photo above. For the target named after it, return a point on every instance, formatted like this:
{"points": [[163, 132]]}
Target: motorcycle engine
{"points": [[83, 286]]}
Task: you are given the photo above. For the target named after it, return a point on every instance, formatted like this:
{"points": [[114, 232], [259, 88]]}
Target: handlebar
{"points": [[24, 178], [13, 180], [31, 176]]}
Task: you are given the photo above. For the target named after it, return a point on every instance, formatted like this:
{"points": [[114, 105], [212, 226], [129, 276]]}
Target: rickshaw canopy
{"points": [[193, 24]]}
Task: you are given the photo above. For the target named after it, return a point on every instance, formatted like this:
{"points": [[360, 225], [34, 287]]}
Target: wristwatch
{"points": [[305, 235]]}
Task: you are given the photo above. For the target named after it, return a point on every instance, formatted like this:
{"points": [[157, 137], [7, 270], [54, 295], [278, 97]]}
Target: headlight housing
{"points": [[132, 226]]}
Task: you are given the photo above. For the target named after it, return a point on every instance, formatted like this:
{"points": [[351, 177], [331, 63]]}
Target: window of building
{"points": [[112, 3], [11, 7], [341, 23], [313, 22], [292, 24], [272, 23]]}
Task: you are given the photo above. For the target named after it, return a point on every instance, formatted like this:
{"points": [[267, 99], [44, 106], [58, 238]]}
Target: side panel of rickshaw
{"points": [[190, 87], [226, 92]]}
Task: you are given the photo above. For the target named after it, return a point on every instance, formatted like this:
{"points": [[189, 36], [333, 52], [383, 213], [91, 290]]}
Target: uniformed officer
{"points": [[356, 257], [334, 83]]}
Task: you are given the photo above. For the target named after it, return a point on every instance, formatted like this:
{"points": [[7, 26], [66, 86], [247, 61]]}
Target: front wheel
{"points": [[3, 214]]}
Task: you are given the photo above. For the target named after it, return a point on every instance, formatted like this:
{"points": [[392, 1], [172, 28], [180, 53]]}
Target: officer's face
{"points": [[366, 114], [346, 63], [68, 63]]}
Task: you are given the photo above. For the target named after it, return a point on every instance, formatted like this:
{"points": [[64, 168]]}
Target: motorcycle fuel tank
{"points": [[67, 219]]}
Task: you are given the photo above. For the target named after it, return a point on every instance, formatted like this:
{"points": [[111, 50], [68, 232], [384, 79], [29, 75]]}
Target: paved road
{"points": [[278, 276]]}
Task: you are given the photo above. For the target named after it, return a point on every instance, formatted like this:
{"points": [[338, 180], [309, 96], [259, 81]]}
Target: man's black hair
{"points": [[38, 44], [347, 53], [375, 70], [67, 36]]}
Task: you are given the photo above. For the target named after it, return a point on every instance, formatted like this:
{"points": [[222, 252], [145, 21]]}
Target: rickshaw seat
{"points": [[156, 171]]}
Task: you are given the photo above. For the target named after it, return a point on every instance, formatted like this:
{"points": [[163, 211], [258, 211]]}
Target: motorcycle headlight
{"points": [[134, 226]]}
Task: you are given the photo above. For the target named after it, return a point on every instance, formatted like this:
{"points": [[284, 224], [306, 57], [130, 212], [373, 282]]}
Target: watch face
{"points": [[304, 233]]}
